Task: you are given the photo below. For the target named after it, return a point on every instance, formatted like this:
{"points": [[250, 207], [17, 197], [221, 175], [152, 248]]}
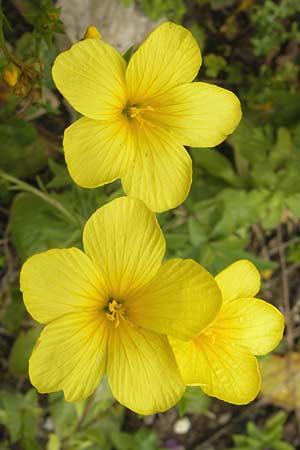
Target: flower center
{"points": [[138, 113], [115, 311]]}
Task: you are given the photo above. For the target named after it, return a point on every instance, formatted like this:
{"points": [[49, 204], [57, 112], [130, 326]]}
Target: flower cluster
{"points": [[118, 308]]}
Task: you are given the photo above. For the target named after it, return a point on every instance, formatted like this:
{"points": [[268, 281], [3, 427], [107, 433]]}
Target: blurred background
{"points": [[244, 203]]}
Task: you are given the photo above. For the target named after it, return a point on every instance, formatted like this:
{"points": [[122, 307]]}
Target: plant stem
{"points": [[22, 185]]}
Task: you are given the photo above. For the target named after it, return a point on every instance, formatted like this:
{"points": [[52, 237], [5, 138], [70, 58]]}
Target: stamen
{"points": [[115, 311], [137, 112]]}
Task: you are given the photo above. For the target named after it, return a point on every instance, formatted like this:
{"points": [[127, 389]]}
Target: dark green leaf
{"points": [[21, 350], [37, 226]]}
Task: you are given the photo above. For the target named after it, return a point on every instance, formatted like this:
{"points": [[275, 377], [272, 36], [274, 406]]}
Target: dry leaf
{"points": [[280, 381]]}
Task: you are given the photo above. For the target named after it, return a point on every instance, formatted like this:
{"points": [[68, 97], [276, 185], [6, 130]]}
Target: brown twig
{"points": [[85, 412], [289, 322]]}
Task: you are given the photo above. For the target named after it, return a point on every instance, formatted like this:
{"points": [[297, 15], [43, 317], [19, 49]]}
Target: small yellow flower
{"points": [[110, 308], [221, 359], [139, 116], [11, 74], [92, 33]]}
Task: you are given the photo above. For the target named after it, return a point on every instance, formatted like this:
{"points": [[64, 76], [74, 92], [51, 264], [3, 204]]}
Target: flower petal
{"points": [[198, 114], [125, 242], [168, 57], [180, 300], [222, 369], [70, 355], [91, 77], [250, 322], [97, 152], [58, 282], [239, 280], [142, 371], [161, 173]]}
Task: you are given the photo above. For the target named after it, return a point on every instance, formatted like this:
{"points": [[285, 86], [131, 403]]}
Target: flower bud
{"points": [[92, 33], [11, 74]]}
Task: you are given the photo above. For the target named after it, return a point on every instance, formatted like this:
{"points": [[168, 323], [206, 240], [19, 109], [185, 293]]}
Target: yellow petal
{"points": [[250, 322], [180, 300], [91, 77], [70, 355], [142, 371], [161, 172], [58, 282], [124, 240], [97, 152], [222, 369], [198, 114], [239, 280], [169, 56]]}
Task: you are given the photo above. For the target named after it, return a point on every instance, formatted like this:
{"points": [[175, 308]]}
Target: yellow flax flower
{"points": [[221, 359], [110, 308], [92, 33], [139, 116]]}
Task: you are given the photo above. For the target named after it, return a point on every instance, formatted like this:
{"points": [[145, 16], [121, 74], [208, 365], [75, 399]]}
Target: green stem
{"points": [[47, 198]]}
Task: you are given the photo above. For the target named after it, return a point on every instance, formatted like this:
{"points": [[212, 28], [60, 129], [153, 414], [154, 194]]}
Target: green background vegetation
{"points": [[244, 203]]}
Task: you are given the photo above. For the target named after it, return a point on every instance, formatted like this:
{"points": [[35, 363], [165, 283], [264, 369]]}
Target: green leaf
{"points": [[37, 226], [63, 415], [282, 150], [176, 243], [272, 213], [282, 446], [53, 442], [10, 417], [262, 175], [253, 430], [217, 165], [61, 175], [21, 350], [240, 209], [277, 420], [13, 312], [128, 54], [155, 9], [251, 142], [293, 203], [293, 253], [23, 151], [193, 401], [122, 440], [145, 439], [216, 255], [214, 64], [22, 415], [197, 233]]}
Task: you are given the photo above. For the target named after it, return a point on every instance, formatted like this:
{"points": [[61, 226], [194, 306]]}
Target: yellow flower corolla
{"points": [[139, 116], [92, 32], [221, 359], [110, 308], [11, 74]]}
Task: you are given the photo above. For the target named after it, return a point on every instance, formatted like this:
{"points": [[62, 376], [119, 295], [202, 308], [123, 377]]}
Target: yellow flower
{"points": [[11, 74], [221, 359], [139, 116], [92, 33], [110, 308]]}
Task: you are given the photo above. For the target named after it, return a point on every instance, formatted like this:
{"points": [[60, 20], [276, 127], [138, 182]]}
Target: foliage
{"points": [[274, 25], [249, 183], [173, 9], [270, 437]]}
